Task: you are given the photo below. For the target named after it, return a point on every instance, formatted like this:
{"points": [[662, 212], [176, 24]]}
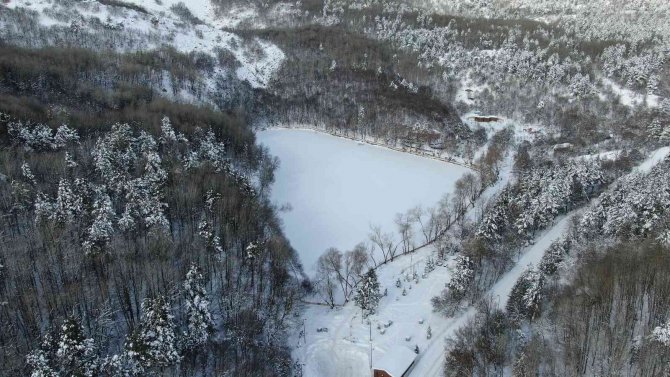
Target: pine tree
{"points": [[69, 160], [554, 256], [75, 353], [197, 309], [64, 136], [101, 230], [44, 208], [28, 174], [154, 343], [167, 132], [664, 237], [368, 294], [461, 278], [526, 295], [69, 203], [38, 361], [64, 352], [661, 334]]}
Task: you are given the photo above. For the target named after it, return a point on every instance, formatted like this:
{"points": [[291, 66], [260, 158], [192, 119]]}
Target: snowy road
{"points": [[432, 360]]}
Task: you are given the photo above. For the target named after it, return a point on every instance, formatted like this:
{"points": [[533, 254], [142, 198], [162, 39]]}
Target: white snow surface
{"points": [[654, 158], [603, 156], [631, 98], [344, 351], [338, 188]]}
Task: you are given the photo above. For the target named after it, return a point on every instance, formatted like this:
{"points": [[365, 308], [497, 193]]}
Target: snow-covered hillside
{"points": [[191, 26]]}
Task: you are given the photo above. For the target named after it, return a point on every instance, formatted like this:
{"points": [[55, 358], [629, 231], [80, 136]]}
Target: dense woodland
{"points": [[137, 233]]}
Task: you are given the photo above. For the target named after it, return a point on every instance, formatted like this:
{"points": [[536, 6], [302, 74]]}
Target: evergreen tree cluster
{"points": [[114, 222]]}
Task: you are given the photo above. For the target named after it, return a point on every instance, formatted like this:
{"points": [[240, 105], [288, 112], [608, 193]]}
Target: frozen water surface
{"points": [[338, 188]]}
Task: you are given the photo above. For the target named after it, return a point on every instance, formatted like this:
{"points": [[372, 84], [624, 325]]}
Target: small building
{"points": [[484, 119], [563, 147], [397, 362]]}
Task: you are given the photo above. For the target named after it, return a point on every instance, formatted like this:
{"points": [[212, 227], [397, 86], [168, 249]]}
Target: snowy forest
{"points": [[141, 232]]}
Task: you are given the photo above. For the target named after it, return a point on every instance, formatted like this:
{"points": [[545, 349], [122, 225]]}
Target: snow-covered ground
{"points": [[603, 156], [259, 60], [654, 158], [631, 98], [338, 188], [344, 351], [468, 91]]}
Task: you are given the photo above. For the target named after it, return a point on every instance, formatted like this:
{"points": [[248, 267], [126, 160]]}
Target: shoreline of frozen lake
{"points": [[338, 187]]}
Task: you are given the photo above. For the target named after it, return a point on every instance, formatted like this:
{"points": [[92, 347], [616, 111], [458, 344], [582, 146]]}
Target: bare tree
{"points": [[471, 187], [325, 279], [406, 231], [428, 221], [384, 241], [354, 262]]}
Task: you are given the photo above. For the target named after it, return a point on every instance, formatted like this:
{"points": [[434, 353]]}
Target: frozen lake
{"points": [[338, 188]]}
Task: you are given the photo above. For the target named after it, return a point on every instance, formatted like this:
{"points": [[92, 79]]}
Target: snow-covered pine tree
{"points": [[154, 343], [38, 361], [664, 237], [496, 219], [69, 160], [28, 174], [22, 189], [526, 295], [36, 137], [209, 150], [44, 208], [144, 195], [69, 203], [461, 278], [75, 354], [368, 294], [113, 156], [554, 255], [167, 132], [661, 334], [64, 136], [101, 230], [197, 309]]}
